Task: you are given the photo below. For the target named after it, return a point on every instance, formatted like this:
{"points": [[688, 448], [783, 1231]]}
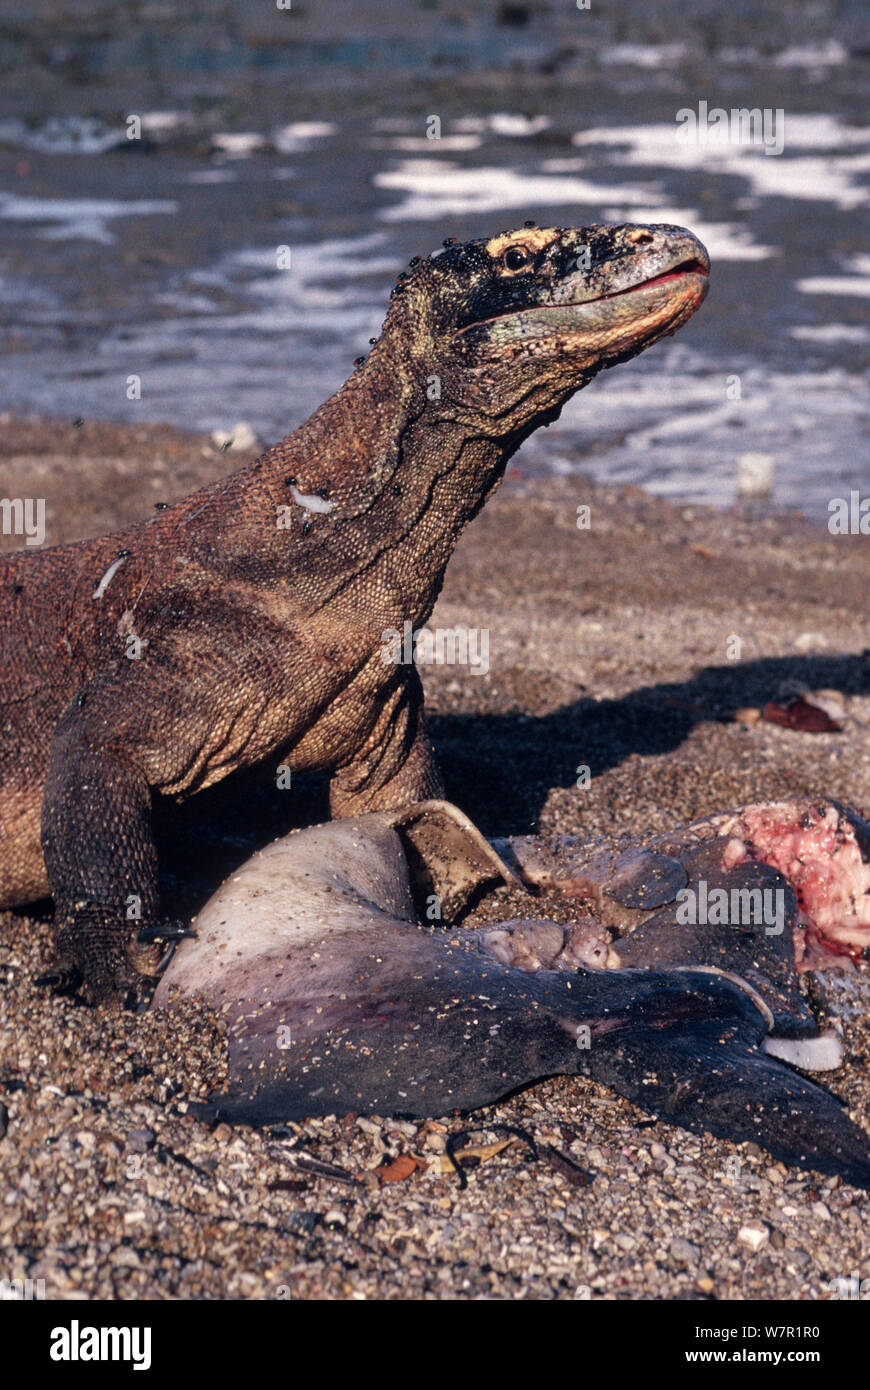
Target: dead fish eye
{"points": [[516, 258]]}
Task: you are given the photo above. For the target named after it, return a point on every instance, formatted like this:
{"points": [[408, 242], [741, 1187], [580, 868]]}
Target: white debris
{"points": [[311, 501], [823, 1053], [108, 576], [755, 474], [754, 1235], [240, 440]]}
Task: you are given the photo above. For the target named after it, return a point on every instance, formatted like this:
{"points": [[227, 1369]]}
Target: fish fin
{"points": [[712, 1076], [446, 853]]}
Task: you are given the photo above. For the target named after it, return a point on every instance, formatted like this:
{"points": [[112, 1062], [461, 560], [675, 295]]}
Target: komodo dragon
{"points": [[248, 620]]}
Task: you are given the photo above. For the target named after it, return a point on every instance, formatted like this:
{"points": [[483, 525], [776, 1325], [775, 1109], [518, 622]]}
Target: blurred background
{"points": [[306, 127]]}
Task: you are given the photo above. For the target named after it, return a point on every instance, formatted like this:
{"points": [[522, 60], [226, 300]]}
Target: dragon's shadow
{"points": [[499, 768]]}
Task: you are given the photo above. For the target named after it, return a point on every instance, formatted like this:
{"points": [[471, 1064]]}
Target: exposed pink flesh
{"points": [[814, 846]]}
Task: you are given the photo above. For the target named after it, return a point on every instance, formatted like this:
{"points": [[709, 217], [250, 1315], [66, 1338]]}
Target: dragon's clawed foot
{"points": [[98, 961]]}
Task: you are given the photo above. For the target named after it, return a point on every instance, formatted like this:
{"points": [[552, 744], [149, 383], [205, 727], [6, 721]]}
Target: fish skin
{"points": [[320, 935]]}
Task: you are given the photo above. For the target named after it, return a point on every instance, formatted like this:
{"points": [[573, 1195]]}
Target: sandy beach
{"points": [[626, 648]]}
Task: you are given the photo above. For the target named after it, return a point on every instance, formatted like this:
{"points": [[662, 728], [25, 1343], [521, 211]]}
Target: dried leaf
{"points": [[399, 1170], [479, 1151], [799, 714], [570, 1170]]}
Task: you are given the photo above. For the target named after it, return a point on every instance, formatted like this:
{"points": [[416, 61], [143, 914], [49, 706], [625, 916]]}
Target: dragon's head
{"points": [[502, 332]]}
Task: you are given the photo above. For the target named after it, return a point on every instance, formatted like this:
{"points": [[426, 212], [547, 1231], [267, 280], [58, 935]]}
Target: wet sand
{"points": [[610, 647]]}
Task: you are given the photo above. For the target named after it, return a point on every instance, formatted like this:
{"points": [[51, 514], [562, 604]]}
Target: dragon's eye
{"points": [[516, 258]]}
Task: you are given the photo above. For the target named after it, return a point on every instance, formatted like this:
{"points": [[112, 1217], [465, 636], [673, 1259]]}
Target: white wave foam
{"points": [[644, 55], [832, 178], [437, 188], [854, 280], [300, 135], [238, 144], [828, 54], [836, 284], [831, 333], [78, 217]]}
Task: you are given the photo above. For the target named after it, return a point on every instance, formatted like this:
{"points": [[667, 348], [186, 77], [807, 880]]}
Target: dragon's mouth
{"points": [[572, 314], [679, 272]]}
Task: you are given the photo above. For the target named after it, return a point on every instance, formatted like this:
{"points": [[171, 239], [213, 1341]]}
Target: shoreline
{"points": [[27, 437]]}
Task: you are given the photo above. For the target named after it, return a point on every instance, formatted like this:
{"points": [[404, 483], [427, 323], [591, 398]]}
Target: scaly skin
{"points": [[242, 625]]}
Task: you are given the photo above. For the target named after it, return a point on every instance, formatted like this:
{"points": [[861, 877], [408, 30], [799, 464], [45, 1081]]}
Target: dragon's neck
{"points": [[397, 477]]}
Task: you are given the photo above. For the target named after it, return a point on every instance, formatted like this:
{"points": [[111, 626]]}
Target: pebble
{"points": [[139, 1141], [307, 1221], [403, 1127], [754, 1235], [806, 641], [684, 1251]]}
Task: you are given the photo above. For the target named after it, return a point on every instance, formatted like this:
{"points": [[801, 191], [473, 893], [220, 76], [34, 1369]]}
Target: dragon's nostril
{"points": [[639, 236]]}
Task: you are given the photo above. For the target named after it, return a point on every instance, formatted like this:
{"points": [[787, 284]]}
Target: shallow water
{"points": [[159, 258]]}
